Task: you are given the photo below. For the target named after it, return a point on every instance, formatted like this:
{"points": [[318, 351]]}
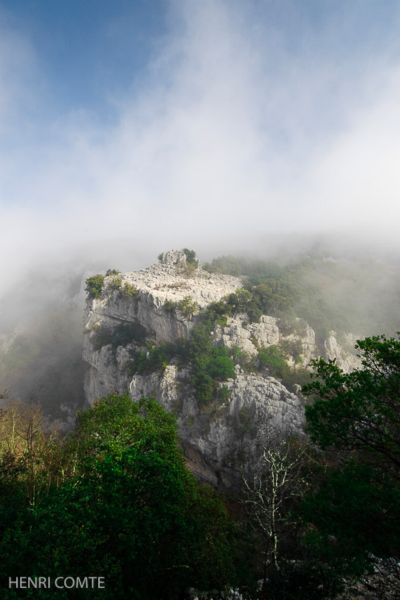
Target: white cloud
{"points": [[231, 136]]}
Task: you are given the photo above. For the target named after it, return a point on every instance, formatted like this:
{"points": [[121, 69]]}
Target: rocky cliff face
{"points": [[161, 305]]}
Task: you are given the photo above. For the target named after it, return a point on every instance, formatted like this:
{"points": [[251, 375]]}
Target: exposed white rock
{"points": [[334, 351], [106, 372], [163, 387], [236, 333], [220, 441], [299, 343], [266, 332]]}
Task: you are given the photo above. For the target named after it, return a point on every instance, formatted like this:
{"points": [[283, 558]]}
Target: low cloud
{"points": [[232, 136]]}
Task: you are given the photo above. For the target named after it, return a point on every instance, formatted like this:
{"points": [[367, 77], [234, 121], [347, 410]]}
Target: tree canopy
{"points": [[126, 508], [359, 410], [353, 509]]}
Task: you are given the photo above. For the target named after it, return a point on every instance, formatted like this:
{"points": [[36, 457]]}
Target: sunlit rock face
{"points": [[225, 437]]}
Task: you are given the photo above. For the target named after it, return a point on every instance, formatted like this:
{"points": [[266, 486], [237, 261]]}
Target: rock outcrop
{"points": [[161, 305], [222, 439]]}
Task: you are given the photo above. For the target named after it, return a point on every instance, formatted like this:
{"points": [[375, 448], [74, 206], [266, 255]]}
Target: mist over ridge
{"points": [[262, 129], [232, 133]]}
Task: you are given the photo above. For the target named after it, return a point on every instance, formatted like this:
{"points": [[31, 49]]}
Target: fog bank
{"points": [[233, 134]]}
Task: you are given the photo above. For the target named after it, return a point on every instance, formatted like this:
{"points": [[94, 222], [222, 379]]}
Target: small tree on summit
{"points": [[191, 257]]}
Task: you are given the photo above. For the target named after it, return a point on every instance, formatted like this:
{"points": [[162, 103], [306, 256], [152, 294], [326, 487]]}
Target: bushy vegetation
{"points": [[188, 307], [94, 286], [113, 498], [154, 358], [115, 282], [191, 257], [112, 272], [191, 262], [121, 335], [128, 290], [274, 359], [209, 364], [282, 291], [170, 306]]}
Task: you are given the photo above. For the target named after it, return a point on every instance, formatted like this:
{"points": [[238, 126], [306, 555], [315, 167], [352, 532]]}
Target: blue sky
{"points": [[88, 49], [90, 52], [191, 122]]}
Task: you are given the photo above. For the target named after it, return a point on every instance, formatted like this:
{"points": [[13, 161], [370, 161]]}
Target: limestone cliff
{"points": [[161, 305]]}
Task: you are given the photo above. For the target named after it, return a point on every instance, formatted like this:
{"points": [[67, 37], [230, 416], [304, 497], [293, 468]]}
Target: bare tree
{"points": [[269, 492]]}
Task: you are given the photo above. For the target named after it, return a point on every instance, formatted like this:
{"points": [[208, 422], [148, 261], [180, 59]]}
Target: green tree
{"points": [[353, 512], [128, 509], [359, 411]]}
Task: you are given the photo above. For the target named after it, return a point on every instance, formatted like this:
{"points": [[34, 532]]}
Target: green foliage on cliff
{"points": [[345, 291], [128, 290], [188, 307], [94, 286], [120, 335], [191, 262], [190, 257], [115, 283], [209, 364], [153, 358], [274, 359], [112, 272]]}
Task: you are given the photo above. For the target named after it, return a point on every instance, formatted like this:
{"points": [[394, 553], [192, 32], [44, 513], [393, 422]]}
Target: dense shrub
{"points": [[191, 257], [112, 272], [274, 359], [121, 335], [153, 358], [211, 366], [292, 347], [170, 306], [94, 286], [188, 307], [115, 282], [128, 290], [191, 262]]}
